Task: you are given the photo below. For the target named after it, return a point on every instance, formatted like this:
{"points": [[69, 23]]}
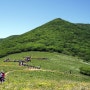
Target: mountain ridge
{"points": [[56, 35]]}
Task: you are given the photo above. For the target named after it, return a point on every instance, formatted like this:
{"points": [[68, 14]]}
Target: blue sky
{"points": [[20, 16]]}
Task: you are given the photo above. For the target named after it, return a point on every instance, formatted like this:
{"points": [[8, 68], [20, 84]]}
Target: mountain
{"points": [[57, 35]]}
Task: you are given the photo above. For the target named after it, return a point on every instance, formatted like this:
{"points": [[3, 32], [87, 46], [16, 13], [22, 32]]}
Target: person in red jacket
{"points": [[2, 77]]}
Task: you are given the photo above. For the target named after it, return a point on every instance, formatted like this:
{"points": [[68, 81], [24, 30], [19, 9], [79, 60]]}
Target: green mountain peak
{"points": [[57, 35]]}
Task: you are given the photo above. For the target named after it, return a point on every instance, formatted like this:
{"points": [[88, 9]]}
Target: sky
{"points": [[20, 16]]}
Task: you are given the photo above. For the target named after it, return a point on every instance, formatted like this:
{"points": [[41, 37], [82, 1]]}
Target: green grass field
{"points": [[58, 72]]}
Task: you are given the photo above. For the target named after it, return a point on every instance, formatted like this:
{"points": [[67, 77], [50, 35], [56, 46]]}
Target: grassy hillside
{"points": [[58, 72], [55, 36]]}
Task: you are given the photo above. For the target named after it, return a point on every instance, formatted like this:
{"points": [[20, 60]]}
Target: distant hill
{"points": [[0, 40], [55, 36]]}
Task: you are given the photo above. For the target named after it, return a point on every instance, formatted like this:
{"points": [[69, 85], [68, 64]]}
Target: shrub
{"points": [[85, 70]]}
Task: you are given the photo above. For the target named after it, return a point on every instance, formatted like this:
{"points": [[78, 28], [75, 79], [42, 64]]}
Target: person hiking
{"points": [[2, 77]]}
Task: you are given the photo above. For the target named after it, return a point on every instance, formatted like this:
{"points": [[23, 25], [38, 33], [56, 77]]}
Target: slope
{"points": [[56, 36], [53, 75]]}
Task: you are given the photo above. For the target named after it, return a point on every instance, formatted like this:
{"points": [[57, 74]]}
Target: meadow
{"points": [[57, 72]]}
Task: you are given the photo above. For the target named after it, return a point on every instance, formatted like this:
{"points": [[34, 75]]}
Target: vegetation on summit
{"points": [[55, 36]]}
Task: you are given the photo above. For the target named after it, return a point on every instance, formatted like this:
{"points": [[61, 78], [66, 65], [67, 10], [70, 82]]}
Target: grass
{"points": [[58, 72]]}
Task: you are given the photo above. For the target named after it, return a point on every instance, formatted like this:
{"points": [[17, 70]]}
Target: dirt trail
{"points": [[32, 69], [67, 73], [20, 70], [9, 72]]}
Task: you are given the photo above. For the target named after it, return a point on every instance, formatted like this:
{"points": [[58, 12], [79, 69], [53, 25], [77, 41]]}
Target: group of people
{"points": [[2, 77]]}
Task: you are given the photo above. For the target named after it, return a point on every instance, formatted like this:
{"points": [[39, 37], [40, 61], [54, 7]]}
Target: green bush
{"points": [[85, 70]]}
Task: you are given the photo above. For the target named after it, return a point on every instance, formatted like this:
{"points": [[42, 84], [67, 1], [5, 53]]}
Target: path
{"points": [[9, 72], [73, 74]]}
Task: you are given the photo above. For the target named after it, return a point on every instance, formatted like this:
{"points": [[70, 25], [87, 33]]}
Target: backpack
{"points": [[0, 75], [3, 75]]}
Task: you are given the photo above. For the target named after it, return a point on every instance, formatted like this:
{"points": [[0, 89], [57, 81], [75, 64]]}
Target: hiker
{"points": [[27, 58], [2, 77]]}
